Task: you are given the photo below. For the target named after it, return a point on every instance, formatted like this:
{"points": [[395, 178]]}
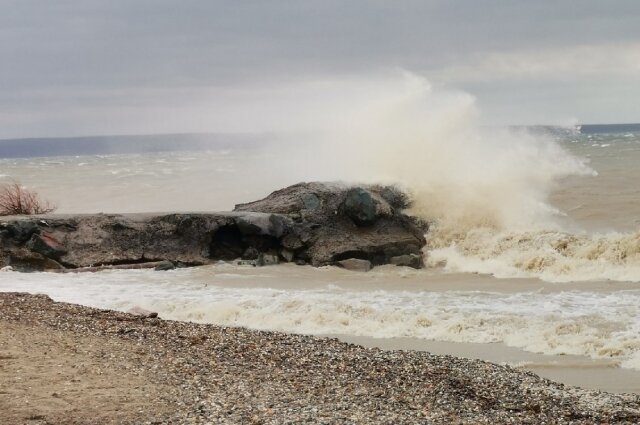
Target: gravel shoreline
{"points": [[67, 364]]}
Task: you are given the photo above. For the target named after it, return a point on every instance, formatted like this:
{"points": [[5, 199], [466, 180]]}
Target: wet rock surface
{"points": [[329, 223], [409, 260], [308, 223], [67, 364], [359, 206], [355, 264]]}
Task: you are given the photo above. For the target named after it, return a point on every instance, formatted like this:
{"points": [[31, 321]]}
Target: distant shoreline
{"points": [[608, 128], [175, 142], [126, 144]]}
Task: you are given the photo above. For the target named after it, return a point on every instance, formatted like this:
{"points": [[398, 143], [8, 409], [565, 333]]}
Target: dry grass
{"points": [[15, 199]]}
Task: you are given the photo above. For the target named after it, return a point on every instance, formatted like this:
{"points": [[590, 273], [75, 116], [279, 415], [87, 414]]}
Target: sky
{"points": [[86, 67]]}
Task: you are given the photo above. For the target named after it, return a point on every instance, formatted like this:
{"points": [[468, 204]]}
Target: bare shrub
{"points": [[15, 199]]}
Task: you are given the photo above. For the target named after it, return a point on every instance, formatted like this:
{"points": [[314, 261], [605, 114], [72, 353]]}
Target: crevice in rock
{"points": [[125, 261], [226, 243], [376, 258]]}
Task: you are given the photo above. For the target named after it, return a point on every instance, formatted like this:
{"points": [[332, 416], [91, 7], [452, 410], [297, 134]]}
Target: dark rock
{"points": [[227, 242], [287, 255], [25, 260], [250, 253], [165, 265], [20, 230], [408, 260], [270, 259], [278, 225], [247, 226], [118, 225], [358, 205], [355, 264], [310, 201], [46, 245], [145, 314], [309, 223], [267, 260], [327, 234]]}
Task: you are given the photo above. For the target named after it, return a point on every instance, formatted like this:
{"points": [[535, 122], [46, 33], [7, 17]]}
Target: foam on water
{"points": [[487, 192], [549, 255], [591, 235], [593, 324]]}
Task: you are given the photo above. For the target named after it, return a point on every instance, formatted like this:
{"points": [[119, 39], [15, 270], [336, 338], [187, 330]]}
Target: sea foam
{"points": [[598, 324]]}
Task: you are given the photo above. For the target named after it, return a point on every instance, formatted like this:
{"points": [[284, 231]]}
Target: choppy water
{"points": [[580, 252], [599, 321]]}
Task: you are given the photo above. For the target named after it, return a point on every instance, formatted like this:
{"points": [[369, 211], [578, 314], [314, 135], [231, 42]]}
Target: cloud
{"points": [[554, 63], [94, 66]]}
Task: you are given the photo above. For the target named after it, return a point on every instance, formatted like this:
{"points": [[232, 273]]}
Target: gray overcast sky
{"points": [[76, 67]]}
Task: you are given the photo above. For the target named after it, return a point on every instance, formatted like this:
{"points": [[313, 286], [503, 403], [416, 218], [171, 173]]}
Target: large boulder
{"points": [[333, 222], [316, 223], [358, 205]]}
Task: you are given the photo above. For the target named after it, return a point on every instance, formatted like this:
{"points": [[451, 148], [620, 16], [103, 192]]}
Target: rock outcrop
{"points": [[331, 222], [312, 223]]}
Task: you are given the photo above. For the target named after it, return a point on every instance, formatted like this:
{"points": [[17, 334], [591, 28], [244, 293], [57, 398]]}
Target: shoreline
{"points": [[307, 300], [574, 370], [64, 363]]}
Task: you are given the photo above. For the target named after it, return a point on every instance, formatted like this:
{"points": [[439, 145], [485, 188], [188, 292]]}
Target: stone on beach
{"points": [[267, 260], [164, 266], [139, 311], [355, 264]]}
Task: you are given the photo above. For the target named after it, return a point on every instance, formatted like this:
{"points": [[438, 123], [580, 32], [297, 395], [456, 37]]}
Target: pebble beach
{"points": [[67, 364]]}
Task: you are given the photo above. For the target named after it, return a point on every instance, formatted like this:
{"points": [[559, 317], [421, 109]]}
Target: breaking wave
{"points": [[577, 323], [549, 255], [594, 323], [485, 190]]}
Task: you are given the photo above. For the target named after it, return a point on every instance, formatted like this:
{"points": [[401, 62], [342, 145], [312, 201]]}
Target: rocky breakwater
{"points": [[308, 223]]}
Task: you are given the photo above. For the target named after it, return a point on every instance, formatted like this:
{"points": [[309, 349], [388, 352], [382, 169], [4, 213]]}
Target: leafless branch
{"points": [[15, 199]]}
